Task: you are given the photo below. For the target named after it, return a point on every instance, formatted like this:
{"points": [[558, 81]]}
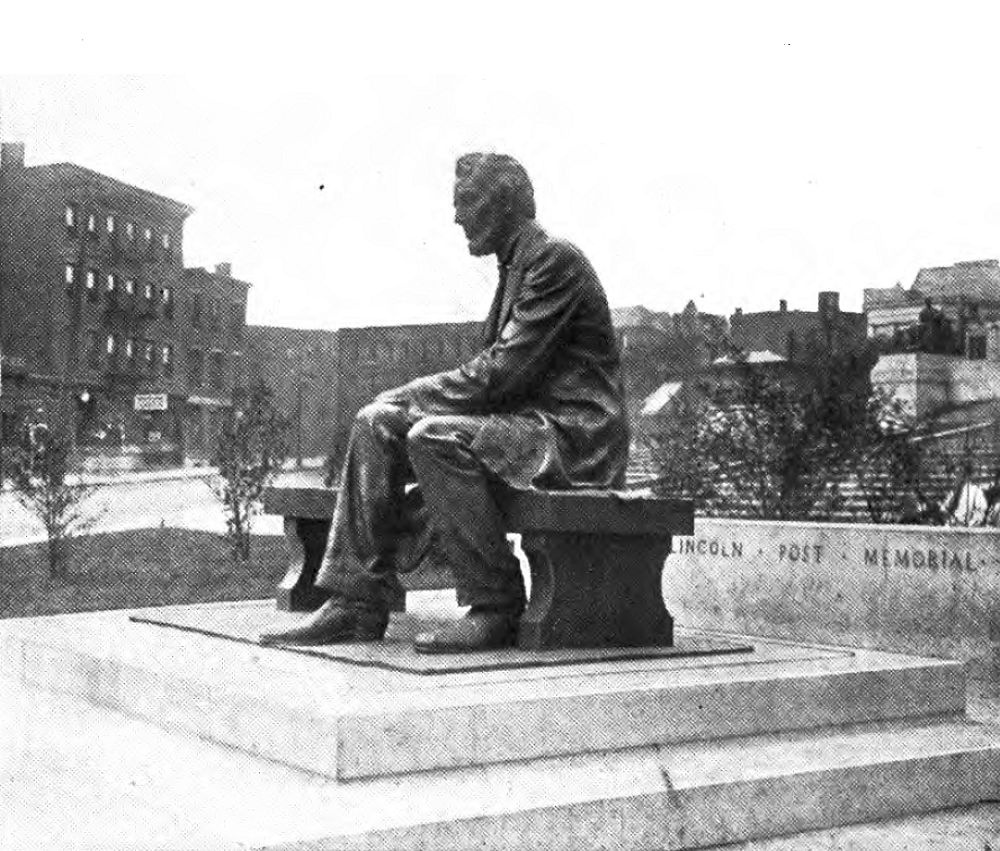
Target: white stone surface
{"points": [[915, 589], [349, 722], [75, 775]]}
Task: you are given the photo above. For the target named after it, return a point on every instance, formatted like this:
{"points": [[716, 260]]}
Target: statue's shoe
{"points": [[478, 630], [337, 620]]}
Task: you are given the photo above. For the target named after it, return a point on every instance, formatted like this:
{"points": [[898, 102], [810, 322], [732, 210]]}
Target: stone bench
{"points": [[596, 559]]}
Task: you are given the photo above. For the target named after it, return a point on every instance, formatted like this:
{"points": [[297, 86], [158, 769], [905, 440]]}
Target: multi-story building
{"points": [[378, 358], [967, 294], [212, 338], [322, 378], [302, 368], [661, 347], [787, 333], [950, 380], [97, 310]]}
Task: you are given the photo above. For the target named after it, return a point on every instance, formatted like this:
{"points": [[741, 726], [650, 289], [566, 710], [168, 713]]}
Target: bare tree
{"points": [[39, 474], [250, 449]]}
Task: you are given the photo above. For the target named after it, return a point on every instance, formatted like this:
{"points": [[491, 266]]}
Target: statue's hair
{"points": [[502, 176]]}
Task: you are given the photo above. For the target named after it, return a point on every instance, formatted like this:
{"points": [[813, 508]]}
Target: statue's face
{"points": [[478, 213]]}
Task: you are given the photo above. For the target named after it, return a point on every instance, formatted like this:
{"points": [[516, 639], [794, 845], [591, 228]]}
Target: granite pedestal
{"points": [[264, 748]]}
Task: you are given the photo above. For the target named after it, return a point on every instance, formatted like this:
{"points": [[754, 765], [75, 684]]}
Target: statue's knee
{"points": [[423, 432], [368, 414], [380, 419]]}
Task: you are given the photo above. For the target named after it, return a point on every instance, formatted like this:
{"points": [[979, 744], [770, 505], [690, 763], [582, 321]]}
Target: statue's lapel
{"points": [[514, 276], [515, 271], [492, 325]]}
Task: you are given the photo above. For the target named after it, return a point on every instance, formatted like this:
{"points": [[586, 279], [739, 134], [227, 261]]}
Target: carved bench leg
{"points": [[595, 591], [306, 540]]}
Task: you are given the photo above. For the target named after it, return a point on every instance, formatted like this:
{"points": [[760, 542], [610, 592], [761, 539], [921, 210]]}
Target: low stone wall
{"points": [[918, 589]]}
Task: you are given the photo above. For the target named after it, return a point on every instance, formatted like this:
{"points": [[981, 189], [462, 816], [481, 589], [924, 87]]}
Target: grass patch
{"points": [[144, 567]]}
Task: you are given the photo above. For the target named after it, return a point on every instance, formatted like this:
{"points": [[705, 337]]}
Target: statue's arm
{"points": [[511, 367]]}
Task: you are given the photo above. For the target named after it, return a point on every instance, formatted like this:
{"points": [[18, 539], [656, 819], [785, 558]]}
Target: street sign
{"points": [[151, 401]]}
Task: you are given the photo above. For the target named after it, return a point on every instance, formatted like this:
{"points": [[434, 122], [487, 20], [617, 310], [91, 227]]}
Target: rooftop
{"points": [[977, 280], [65, 170], [761, 356]]}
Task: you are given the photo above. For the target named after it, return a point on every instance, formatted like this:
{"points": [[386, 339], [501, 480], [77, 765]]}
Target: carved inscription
{"points": [[806, 552], [931, 559], [710, 547]]}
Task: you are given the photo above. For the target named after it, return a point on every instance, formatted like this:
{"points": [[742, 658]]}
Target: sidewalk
{"points": [[169, 474]]}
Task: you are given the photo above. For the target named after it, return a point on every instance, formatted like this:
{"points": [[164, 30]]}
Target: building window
{"points": [[148, 353], [109, 224], [129, 286], [167, 358], [92, 224], [92, 284], [148, 235], [236, 320], [110, 346], [130, 231], [69, 273], [977, 347], [70, 216], [130, 348], [216, 370], [93, 349], [112, 282], [196, 310], [165, 241], [196, 367]]}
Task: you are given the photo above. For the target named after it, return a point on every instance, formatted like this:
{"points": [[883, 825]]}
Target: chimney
{"points": [[783, 306], [224, 269], [739, 311], [11, 156], [829, 303]]}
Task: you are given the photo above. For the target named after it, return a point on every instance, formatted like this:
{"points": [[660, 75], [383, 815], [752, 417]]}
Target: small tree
{"points": [[772, 453], [685, 468], [887, 462], [39, 474], [251, 447]]}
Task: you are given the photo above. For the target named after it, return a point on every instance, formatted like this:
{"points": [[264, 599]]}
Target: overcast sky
{"points": [[734, 154]]}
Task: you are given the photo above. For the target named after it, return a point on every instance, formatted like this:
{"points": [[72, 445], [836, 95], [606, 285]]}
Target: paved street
{"points": [[187, 503]]}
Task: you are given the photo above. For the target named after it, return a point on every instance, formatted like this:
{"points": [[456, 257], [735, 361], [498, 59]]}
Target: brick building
{"points": [[97, 313], [659, 347], [322, 378], [967, 293], [212, 337], [373, 359], [788, 332], [302, 368]]}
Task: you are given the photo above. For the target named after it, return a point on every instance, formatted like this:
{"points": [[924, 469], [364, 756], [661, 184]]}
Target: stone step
{"points": [[705, 795], [122, 783], [352, 722]]}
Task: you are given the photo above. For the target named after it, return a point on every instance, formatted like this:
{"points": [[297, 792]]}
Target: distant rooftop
{"points": [[761, 356], [656, 401], [65, 169], [639, 316], [12, 161], [977, 280]]}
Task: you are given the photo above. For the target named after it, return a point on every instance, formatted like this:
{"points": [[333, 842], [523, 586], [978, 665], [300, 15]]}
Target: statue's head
{"points": [[493, 198]]}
